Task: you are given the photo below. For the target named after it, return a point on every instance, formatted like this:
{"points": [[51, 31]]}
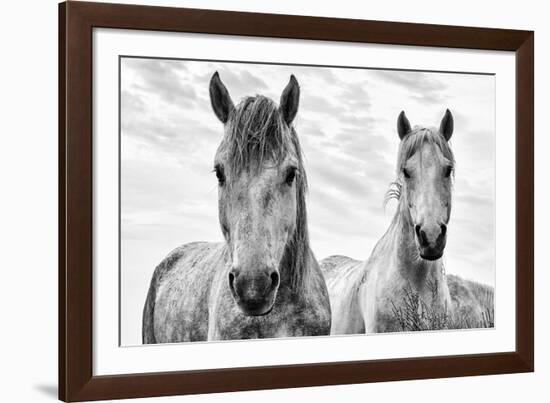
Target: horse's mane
{"points": [[410, 145], [256, 133]]}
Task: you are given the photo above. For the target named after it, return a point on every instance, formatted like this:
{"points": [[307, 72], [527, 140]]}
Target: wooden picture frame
{"points": [[76, 23]]}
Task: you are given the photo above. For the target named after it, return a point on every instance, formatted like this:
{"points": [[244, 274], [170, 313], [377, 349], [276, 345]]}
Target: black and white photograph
{"points": [[266, 200], [275, 201]]}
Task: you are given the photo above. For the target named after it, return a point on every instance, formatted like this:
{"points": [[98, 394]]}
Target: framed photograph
{"points": [[252, 201]]}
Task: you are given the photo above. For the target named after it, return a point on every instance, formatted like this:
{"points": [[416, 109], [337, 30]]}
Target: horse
{"points": [[263, 281], [403, 286]]}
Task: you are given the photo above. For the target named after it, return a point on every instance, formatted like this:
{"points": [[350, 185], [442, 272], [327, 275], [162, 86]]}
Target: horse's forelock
{"points": [[255, 134], [416, 139]]}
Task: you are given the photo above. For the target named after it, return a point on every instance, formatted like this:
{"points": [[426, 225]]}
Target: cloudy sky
{"points": [[346, 125]]}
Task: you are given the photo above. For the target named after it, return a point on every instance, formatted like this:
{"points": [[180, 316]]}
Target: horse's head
{"points": [[261, 192], [425, 169]]}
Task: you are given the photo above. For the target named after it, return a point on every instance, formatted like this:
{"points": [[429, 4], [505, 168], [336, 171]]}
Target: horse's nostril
{"points": [[274, 280], [231, 280], [422, 237], [443, 229]]}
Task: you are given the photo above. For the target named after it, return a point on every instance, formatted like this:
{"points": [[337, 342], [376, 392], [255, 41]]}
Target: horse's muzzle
{"points": [[254, 291], [431, 241]]}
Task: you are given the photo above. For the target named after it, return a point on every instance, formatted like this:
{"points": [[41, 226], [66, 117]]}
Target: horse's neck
{"points": [[403, 253]]}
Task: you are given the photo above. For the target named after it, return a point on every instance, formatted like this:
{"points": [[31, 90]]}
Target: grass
{"points": [[413, 313]]}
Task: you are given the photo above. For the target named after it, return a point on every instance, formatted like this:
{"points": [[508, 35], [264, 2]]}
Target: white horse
{"points": [[402, 286], [263, 281]]}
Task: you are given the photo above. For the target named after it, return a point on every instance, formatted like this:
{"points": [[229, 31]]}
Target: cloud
{"points": [[318, 73], [131, 104], [173, 130], [357, 219], [320, 105], [422, 87], [356, 119], [356, 96], [340, 178], [310, 128], [236, 79], [479, 200], [163, 78], [181, 135]]}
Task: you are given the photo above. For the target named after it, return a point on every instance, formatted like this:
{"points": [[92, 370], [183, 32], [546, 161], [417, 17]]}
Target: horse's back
{"points": [[333, 267], [473, 303], [176, 308], [342, 276]]}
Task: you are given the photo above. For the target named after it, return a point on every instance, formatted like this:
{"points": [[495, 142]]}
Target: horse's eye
{"points": [[220, 174], [290, 176], [448, 171], [406, 173]]}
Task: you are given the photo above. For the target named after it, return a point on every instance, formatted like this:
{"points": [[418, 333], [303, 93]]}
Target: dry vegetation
{"points": [[472, 307]]}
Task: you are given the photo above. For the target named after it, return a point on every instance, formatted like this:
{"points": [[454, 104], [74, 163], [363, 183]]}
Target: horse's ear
{"points": [[290, 100], [220, 99], [447, 125], [403, 125]]}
